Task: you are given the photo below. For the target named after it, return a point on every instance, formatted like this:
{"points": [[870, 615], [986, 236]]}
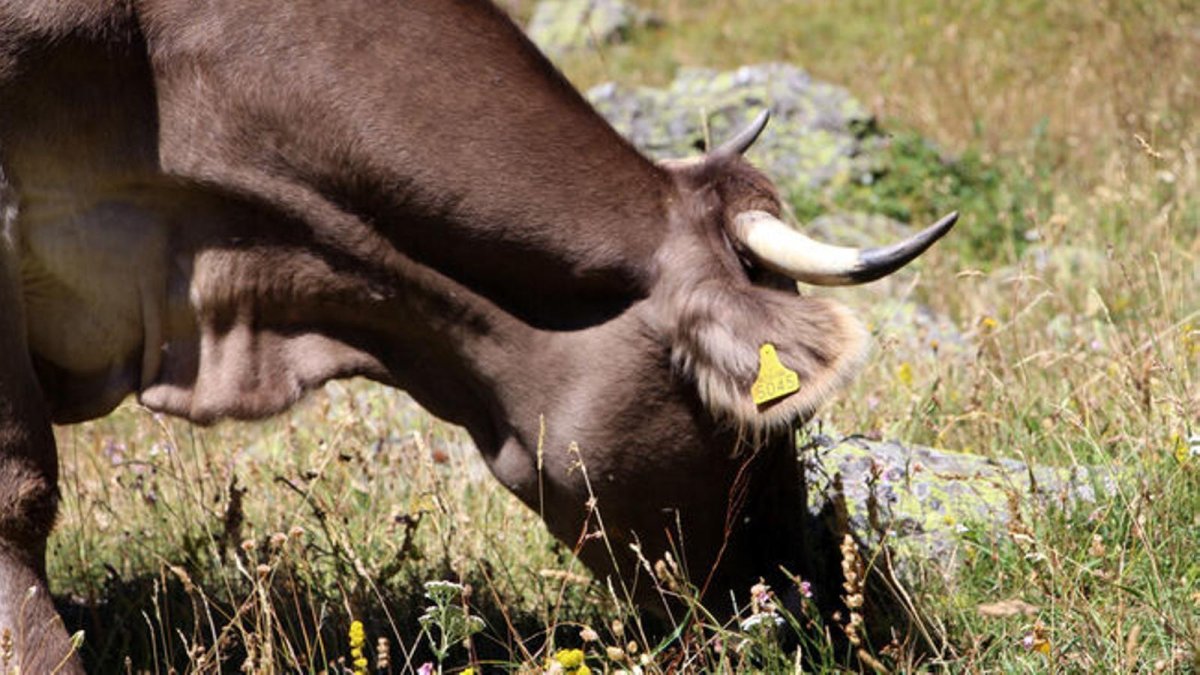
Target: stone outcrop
{"points": [[819, 134], [923, 503]]}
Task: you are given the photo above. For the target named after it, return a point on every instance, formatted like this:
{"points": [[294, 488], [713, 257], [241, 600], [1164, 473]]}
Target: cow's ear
{"points": [[762, 358]]}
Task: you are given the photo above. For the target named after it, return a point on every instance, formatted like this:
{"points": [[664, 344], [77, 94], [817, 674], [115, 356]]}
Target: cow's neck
{"points": [[437, 123], [428, 155]]}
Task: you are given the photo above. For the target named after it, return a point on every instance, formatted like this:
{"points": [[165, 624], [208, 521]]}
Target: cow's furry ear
{"points": [[719, 339]]}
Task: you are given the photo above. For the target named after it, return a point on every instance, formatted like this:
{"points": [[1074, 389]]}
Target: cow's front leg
{"points": [[28, 491]]}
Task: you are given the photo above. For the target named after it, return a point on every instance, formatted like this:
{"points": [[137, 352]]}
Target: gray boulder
{"points": [[819, 134], [924, 503]]}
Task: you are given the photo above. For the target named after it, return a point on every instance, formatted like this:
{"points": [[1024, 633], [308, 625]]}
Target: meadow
{"points": [[1065, 131]]}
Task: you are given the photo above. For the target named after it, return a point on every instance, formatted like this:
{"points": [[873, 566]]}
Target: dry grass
{"points": [[261, 543]]}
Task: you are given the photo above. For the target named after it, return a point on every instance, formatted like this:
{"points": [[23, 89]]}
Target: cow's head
{"points": [[669, 427], [733, 270]]}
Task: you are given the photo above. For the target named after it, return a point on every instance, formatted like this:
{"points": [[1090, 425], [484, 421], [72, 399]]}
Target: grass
{"points": [[1074, 129]]}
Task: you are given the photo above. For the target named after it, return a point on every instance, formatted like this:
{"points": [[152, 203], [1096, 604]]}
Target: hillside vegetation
{"points": [[1065, 130]]}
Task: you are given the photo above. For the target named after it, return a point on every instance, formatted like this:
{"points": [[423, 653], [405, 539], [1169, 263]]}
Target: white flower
{"points": [[760, 619]]}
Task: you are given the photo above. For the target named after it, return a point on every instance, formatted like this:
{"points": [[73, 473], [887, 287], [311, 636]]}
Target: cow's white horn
{"points": [[783, 249]]}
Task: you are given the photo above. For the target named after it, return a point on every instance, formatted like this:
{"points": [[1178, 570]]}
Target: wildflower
{"points": [[852, 572], [614, 654], [588, 635], [762, 619], [467, 671], [425, 668], [443, 589], [1190, 337], [1035, 640], [806, 589], [760, 598], [358, 638], [568, 662], [570, 658], [905, 374]]}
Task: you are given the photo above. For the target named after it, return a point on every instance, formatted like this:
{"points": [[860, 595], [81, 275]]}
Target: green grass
{"points": [[1073, 133]]}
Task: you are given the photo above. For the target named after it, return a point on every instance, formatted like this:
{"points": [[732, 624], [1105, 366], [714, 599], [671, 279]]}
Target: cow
{"points": [[218, 206]]}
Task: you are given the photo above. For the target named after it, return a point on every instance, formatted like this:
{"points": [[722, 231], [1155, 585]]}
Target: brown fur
{"points": [[406, 191]]}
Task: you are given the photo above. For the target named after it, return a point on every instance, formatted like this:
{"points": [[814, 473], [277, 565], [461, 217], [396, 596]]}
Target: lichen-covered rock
{"points": [[819, 134], [921, 502], [559, 27]]}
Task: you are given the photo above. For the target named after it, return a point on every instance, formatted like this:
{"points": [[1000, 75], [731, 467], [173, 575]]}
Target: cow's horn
{"points": [[788, 252], [745, 138]]}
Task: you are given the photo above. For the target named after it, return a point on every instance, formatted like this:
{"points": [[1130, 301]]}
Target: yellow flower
{"points": [[570, 659], [905, 374], [358, 637], [1181, 449], [468, 671], [568, 662]]}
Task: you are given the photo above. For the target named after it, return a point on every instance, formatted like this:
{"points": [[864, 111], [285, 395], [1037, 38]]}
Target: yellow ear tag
{"points": [[774, 379]]}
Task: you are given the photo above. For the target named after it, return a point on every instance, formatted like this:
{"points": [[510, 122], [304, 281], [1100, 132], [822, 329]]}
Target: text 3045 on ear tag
{"points": [[774, 379]]}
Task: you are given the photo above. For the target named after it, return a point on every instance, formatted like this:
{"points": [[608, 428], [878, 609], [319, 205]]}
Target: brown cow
{"points": [[219, 205]]}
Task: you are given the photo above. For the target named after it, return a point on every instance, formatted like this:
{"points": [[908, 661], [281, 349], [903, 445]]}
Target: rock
{"points": [[915, 332], [559, 27], [921, 502], [819, 134]]}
